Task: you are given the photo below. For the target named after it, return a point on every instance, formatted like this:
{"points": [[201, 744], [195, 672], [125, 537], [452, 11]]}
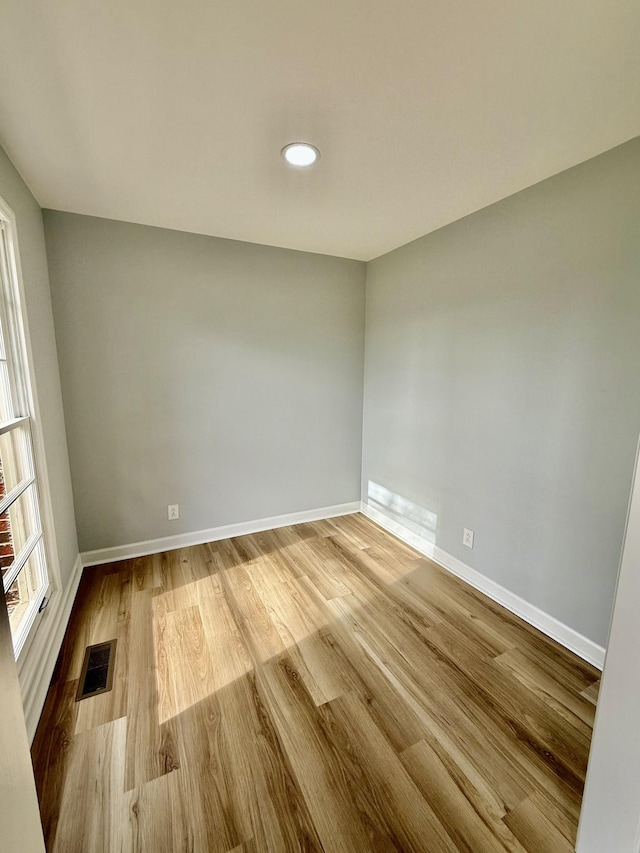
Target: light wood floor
{"points": [[318, 687]]}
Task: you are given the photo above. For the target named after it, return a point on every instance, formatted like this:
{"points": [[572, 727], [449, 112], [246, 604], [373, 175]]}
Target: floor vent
{"points": [[97, 670]]}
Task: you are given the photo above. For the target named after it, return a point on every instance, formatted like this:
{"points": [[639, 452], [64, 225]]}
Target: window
{"points": [[23, 561]]}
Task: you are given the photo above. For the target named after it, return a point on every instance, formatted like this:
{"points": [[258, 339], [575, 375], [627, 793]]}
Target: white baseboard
{"points": [[226, 531], [36, 672], [549, 625]]}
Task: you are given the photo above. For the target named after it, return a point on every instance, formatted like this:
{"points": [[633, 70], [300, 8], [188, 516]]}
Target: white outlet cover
{"points": [[467, 537], [173, 512]]}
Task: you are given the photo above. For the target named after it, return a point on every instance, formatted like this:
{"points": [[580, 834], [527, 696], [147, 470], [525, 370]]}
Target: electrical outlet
{"points": [[467, 538], [173, 511]]}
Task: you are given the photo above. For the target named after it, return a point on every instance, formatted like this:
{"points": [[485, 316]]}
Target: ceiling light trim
{"points": [[300, 155]]}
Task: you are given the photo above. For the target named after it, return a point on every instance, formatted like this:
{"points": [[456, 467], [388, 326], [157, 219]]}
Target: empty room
{"points": [[320, 409]]}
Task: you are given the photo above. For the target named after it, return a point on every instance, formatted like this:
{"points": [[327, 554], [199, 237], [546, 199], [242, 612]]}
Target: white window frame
{"points": [[20, 342]]}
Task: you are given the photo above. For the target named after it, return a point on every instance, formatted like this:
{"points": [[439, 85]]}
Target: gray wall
{"points": [[222, 376], [502, 383], [45, 360]]}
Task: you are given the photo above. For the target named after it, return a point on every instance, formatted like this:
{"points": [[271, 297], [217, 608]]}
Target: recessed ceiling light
{"points": [[300, 154]]}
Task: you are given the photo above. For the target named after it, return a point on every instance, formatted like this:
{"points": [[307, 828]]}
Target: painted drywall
{"points": [[21, 828], [610, 817], [222, 376], [46, 377], [502, 390]]}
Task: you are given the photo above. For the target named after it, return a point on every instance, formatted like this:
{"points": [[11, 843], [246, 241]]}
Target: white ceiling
{"points": [[174, 113]]}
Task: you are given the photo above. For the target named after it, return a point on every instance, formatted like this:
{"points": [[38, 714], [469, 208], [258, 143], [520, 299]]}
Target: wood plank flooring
{"points": [[317, 687]]}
